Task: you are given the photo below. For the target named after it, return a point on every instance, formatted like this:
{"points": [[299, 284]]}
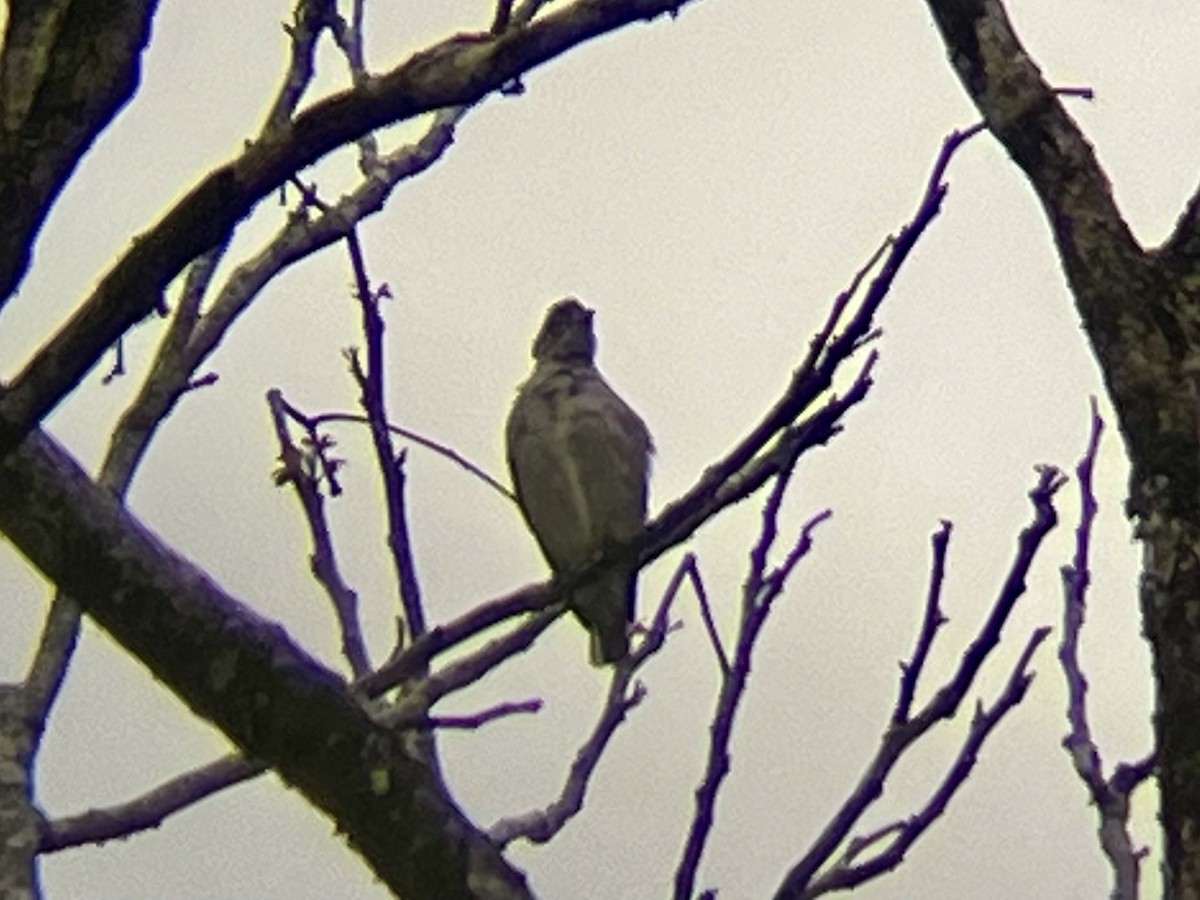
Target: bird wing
{"points": [[611, 449], [544, 477], [579, 458]]}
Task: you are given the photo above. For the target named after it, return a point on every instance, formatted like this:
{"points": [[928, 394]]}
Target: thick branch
{"points": [[1028, 118], [67, 68], [1140, 325], [242, 673], [21, 819], [1141, 311], [456, 72]]}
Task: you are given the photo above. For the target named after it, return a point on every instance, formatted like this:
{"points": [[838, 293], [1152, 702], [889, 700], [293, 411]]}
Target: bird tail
{"points": [[606, 608]]}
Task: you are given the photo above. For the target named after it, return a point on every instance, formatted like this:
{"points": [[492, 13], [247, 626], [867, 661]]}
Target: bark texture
{"points": [[20, 821], [1141, 312], [242, 673], [67, 68], [459, 71]]}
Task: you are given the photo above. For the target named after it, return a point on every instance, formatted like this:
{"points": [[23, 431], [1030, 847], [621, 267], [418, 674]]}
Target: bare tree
{"points": [[361, 747], [1139, 310]]}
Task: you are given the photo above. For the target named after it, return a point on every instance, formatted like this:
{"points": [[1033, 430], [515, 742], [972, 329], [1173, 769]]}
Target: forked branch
{"points": [[807, 879], [1110, 796]]}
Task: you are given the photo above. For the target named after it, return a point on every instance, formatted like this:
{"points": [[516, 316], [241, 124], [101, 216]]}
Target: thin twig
{"points": [[945, 702], [317, 444], [437, 447], [758, 596], [932, 621], [1110, 796], [295, 470], [150, 809], [846, 874], [390, 465], [483, 717], [309, 19], [421, 696], [540, 825], [349, 38], [706, 615]]}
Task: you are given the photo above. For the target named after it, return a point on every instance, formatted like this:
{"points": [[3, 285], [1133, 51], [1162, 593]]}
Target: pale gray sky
{"points": [[708, 184]]}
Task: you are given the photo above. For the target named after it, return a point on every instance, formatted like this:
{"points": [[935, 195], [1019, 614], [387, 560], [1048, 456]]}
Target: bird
{"points": [[579, 457]]}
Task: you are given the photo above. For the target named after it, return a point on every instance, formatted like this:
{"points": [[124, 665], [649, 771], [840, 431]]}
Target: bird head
{"points": [[566, 334]]}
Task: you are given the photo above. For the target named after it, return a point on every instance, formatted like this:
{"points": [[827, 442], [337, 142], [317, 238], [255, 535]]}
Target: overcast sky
{"points": [[708, 184]]}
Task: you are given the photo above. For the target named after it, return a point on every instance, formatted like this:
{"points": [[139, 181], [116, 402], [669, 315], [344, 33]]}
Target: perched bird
{"points": [[580, 460]]}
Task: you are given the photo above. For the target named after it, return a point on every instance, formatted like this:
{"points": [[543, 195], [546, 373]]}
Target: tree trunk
{"points": [[1139, 310]]}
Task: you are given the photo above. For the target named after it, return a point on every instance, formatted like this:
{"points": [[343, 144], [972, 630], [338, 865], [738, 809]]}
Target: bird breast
{"points": [[580, 458]]}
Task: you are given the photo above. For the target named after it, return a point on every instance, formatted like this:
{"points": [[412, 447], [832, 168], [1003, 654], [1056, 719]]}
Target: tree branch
{"points": [[541, 825], [483, 717], [390, 465], [428, 443], [149, 810], [21, 818], [309, 19], [454, 72], [746, 467], [50, 113], [296, 470], [910, 672], [846, 873], [242, 673], [418, 698], [758, 598], [903, 731], [1110, 796]]}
